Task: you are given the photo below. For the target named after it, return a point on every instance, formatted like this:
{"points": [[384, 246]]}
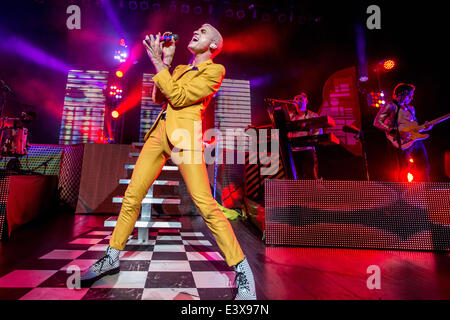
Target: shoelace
{"points": [[102, 261], [242, 282]]}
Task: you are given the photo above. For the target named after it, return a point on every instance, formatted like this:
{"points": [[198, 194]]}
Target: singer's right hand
{"points": [[168, 49], [153, 48]]}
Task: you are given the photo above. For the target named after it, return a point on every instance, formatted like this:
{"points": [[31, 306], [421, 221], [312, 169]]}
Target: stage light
{"points": [[119, 74], [376, 99], [122, 43], [410, 177], [411, 160], [121, 56], [388, 64], [116, 92], [363, 78], [115, 114]]}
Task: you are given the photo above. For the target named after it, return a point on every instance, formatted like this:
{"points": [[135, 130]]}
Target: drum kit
{"points": [[13, 140], [13, 134]]}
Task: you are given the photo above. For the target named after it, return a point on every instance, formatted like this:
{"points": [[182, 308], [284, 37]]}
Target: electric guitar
{"points": [[414, 133]]}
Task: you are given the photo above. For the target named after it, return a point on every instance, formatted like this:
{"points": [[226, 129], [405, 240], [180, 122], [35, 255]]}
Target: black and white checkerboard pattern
{"points": [[174, 265]]}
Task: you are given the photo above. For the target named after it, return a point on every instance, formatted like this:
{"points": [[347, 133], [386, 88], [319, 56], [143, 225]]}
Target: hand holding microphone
{"points": [[169, 37], [158, 45]]}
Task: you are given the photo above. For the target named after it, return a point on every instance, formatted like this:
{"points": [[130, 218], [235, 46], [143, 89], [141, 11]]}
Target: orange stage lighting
{"points": [[389, 64], [119, 74], [115, 114], [410, 177]]}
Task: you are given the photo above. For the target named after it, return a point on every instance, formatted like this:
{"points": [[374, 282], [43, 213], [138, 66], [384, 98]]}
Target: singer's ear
{"points": [[213, 46]]}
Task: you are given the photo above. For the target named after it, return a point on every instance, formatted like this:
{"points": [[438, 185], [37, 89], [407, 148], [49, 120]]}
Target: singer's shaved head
{"points": [[206, 39], [217, 38]]}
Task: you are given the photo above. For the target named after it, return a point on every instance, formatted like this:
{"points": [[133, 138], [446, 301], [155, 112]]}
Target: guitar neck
{"points": [[436, 121]]}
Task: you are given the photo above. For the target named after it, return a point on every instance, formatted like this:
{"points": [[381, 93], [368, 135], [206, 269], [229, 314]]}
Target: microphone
{"points": [[172, 37]]}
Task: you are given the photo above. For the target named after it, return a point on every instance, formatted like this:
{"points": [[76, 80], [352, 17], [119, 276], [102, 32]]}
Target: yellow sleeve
{"points": [[157, 96], [182, 95]]}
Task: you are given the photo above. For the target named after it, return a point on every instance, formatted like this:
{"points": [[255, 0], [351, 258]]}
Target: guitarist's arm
{"points": [[384, 118], [385, 121]]}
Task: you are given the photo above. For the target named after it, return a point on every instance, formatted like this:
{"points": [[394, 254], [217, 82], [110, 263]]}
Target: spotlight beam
{"points": [[113, 17], [14, 44]]}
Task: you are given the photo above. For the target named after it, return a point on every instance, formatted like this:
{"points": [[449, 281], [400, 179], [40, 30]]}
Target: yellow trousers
{"points": [[152, 158]]}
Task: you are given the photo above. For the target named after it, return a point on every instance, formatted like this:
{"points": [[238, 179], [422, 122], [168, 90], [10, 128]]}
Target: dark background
{"points": [[281, 58]]}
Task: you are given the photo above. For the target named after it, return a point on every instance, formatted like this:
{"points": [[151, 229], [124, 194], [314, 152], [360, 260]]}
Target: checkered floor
{"points": [[174, 265]]}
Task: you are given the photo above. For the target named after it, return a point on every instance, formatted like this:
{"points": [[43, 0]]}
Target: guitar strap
{"points": [[399, 141], [397, 130]]}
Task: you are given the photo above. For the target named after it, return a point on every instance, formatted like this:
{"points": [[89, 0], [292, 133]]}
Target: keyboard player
{"points": [[305, 158]]}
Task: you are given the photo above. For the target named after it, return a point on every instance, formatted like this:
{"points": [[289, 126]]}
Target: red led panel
{"points": [[358, 214]]}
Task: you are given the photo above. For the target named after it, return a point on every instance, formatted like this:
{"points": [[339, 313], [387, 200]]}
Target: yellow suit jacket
{"points": [[187, 93]]}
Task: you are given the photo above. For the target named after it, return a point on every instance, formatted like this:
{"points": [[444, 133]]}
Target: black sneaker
{"points": [[108, 265]]}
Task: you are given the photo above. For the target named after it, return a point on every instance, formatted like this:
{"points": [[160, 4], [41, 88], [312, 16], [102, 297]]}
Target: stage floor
{"points": [[185, 264]]}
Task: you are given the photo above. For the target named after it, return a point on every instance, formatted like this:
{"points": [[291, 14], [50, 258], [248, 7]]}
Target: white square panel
{"points": [[82, 264], [99, 233], [214, 279], [136, 255], [124, 279], [170, 266], [63, 254], [98, 247], [169, 248], [204, 256], [197, 242], [85, 241], [149, 242], [170, 294], [55, 294], [168, 238], [192, 234]]}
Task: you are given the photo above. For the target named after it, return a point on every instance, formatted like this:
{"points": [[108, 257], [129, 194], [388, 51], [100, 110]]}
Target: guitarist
{"points": [[394, 119]]}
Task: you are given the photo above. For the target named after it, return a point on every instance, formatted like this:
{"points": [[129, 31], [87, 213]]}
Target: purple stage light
{"points": [[113, 18], [260, 81], [28, 51]]}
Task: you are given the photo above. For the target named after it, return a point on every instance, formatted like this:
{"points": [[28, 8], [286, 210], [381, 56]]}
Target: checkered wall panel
{"points": [[70, 175], [4, 189]]}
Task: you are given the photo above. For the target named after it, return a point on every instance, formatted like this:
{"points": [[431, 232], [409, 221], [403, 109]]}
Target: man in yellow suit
{"points": [[177, 133]]}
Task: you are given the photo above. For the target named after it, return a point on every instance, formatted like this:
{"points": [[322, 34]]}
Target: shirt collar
{"points": [[200, 65]]}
